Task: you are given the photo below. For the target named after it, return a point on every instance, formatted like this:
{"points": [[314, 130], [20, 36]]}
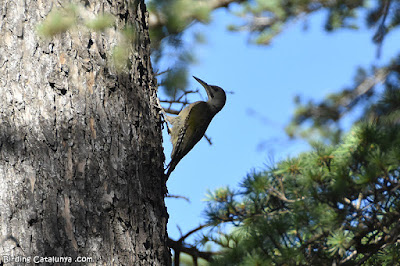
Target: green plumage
{"points": [[192, 122], [197, 118]]}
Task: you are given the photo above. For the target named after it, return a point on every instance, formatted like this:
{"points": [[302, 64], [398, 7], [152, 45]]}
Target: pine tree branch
{"points": [[382, 30], [192, 232], [282, 196], [354, 253], [192, 251], [314, 238], [178, 197], [378, 77], [159, 20], [180, 246]]}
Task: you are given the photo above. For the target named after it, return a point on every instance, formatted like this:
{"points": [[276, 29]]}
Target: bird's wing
{"points": [[198, 120], [196, 125]]}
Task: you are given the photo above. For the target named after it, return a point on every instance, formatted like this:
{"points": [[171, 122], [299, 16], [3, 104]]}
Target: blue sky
{"points": [[249, 132]]}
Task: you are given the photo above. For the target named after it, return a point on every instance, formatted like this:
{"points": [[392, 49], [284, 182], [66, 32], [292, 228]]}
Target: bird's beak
{"points": [[206, 86], [201, 82]]}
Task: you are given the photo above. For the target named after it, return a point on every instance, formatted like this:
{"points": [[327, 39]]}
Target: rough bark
{"points": [[81, 161]]}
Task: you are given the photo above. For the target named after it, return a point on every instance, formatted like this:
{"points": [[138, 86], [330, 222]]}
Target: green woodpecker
{"points": [[192, 122]]}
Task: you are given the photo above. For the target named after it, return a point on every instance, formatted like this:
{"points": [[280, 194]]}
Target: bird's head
{"points": [[216, 95]]}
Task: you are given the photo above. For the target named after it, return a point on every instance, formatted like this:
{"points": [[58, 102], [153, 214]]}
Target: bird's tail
{"points": [[170, 167]]}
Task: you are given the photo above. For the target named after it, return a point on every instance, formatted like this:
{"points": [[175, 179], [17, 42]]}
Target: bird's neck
{"points": [[215, 105]]}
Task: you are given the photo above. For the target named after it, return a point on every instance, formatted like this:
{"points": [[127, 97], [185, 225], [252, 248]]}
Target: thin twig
{"points": [[178, 197]]}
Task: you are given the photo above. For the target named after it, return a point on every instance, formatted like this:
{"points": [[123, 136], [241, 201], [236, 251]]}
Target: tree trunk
{"points": [[81, 158]]}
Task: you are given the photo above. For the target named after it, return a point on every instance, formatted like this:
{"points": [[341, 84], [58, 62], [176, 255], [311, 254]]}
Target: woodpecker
{"points": [[192, 122]]}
